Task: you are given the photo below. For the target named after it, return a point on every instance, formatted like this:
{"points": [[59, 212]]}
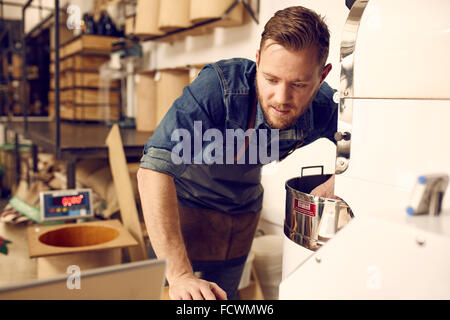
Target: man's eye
{"points": [[271, 80], [299, 85]]}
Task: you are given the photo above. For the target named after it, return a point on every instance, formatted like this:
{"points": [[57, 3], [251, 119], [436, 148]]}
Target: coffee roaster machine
{"points": [[392, 162]]}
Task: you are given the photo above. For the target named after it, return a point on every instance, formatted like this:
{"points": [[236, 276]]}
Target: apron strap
{"points": [[250, 125]]}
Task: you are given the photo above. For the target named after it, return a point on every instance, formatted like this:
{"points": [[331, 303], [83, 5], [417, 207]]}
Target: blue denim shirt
{"points": [[221, 97]]}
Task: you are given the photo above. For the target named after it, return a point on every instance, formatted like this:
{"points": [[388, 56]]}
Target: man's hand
{"points": [[189, 287], [325, 190]]}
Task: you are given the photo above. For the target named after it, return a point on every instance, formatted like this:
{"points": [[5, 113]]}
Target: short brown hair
{"points": [[297, 28]]}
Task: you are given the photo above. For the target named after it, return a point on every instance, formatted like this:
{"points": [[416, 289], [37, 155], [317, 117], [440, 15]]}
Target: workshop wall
{"points": [[243, 41]]}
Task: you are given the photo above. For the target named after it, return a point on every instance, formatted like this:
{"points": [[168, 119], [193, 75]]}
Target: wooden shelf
{"points": [[87, 44], [79, 139]]}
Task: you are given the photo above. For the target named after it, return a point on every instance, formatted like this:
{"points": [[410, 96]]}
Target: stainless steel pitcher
{"points": [[311, 220]]}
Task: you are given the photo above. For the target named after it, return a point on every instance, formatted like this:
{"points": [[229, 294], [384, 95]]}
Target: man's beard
{"points": [[282, 123]]}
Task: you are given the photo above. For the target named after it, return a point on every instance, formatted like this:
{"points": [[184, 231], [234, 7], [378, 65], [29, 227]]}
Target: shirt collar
{"points": [[298, 131]]}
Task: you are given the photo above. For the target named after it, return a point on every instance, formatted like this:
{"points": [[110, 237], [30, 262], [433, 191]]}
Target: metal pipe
{"points": [[58, 128], [34, 153], [27, 4], [17, 157], [250, 11], [3, 34], [24, 69]]}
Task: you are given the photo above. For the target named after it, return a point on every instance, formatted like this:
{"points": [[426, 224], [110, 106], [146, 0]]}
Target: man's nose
{"points": [[282, 94]]}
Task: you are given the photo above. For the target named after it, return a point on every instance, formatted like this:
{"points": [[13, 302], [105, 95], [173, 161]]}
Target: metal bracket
{"points": [[252, 6], [343, 136]]}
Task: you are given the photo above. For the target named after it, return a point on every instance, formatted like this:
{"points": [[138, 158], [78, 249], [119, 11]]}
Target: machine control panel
{"points": [[66, 204]]}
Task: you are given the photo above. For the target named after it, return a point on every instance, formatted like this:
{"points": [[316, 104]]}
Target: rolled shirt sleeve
{"points": [[200, 101]]}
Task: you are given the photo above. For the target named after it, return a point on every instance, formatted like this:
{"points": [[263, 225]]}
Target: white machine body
{"points": [[375, 259], [395, 105]]}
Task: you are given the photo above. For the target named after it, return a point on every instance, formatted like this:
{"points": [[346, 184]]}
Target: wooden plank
{"points": [[65, 95], [51, 110], [48, 267], [89, 96], [119, 237], [70, 79], [87, 79], [91, 79], [97, 113], [90, 44], [63, 63], [124, 191], [81, 63], [66, 111], [88, 62], [69, 62], [65, 79]]}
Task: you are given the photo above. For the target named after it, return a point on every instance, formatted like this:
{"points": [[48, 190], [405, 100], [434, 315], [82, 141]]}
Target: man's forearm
{"points": [[160, 210]]}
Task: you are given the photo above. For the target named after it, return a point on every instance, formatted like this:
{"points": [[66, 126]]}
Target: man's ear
{"points": [[257, 57], [326, 70]]}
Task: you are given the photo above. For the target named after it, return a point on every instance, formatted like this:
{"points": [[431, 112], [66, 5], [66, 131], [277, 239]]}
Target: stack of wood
{"points": [[81, 95]]}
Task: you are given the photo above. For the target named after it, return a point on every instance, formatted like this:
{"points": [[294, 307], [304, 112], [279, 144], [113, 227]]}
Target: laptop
{"points": [[142, 280]]}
